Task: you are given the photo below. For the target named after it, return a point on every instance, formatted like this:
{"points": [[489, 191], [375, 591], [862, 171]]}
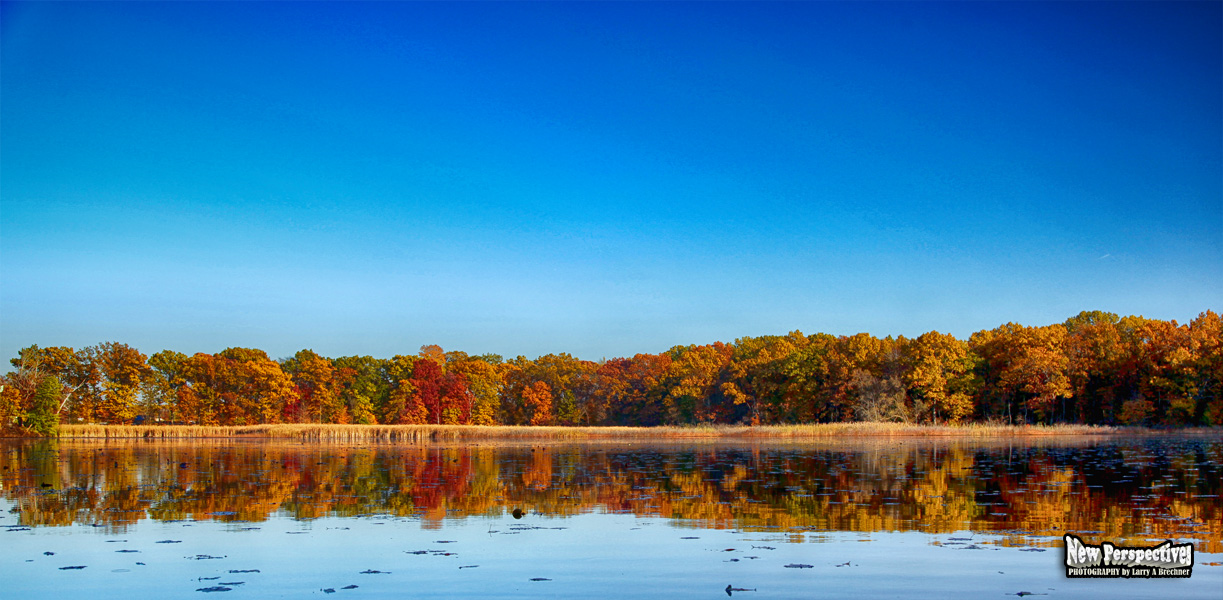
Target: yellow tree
{"points": [[757, 376], [1168, 386], [864, 374], [121, 369], [317, 398], [1094, 355], [691, 382], [484, 383], [1206, 338], [939, 372], [253, 388], [807, 380], [404, 406], [1037, 368], [199, 395], [1023, 368]]}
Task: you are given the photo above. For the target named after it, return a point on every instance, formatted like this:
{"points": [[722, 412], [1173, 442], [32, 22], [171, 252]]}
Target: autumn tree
{"points": [[1024, 370], [1094, 356], [537, 403], [691, 384], [1206, 339], [100, 383], [199, 393], [160, 385], [363, 388], [632, 389], [427, 381], [939, 375], [1168, 381], [812, 396], [859, 367], [121, 370], [402, 405], [17, 388], [65, 364], [483, 381], [757, 378], [317, 398], [880, 399], [239, 386]]}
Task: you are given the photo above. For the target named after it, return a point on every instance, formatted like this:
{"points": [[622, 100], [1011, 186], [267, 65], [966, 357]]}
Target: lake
{"points": [[885, 518]]}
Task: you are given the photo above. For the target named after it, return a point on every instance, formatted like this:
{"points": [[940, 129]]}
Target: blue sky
{"points": [[600, 179]]}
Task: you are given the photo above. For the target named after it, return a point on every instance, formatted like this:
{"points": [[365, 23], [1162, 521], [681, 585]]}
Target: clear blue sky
{"points": [[600, 179]]}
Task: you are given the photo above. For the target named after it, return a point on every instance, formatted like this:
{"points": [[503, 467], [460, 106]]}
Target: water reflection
{"points": [[1028, 495]]}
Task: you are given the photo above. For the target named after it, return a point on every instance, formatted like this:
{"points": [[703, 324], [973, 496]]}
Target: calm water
{"points": [[889, 519]]}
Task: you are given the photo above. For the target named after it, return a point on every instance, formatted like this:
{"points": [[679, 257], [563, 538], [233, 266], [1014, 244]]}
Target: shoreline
{"points": [[433, 433]]}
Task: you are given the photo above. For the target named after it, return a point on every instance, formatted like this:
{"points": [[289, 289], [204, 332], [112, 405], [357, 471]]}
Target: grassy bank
{"points": [[427, 433]]}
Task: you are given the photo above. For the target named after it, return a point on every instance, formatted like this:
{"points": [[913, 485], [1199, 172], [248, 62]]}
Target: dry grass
{"points": [[429, 433]]}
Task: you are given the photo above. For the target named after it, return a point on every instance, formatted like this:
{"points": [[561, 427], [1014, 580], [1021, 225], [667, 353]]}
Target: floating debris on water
{"points": [[127, 551], [468, 566], [168, 542], [244, 570], [730, 589], [375, 572], [215, 588], [328, 590], [48, 554], [540, 579], [799, 566], [349, 587], [204, 557], [73, 567]]}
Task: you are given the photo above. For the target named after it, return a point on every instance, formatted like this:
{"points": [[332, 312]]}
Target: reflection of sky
{"points": [[599, 178], [589, 555]]}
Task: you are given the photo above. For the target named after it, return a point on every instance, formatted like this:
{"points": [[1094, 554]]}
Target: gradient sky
{"points": [[600, 179]]}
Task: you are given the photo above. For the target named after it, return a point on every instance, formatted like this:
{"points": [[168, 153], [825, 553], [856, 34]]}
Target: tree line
{"points": [[1095, 368]]}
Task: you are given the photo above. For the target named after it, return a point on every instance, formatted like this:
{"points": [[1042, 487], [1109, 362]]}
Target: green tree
{"points": [[41, 417]]}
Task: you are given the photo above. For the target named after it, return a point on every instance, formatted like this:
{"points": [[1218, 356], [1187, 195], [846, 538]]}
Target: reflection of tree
{"points": [[1135, 493]]}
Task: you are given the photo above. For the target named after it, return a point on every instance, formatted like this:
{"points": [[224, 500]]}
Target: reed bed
{"points": [[435, 433]]}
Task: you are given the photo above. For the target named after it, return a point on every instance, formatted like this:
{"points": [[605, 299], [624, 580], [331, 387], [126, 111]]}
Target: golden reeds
{"points": [[432, 433]]}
